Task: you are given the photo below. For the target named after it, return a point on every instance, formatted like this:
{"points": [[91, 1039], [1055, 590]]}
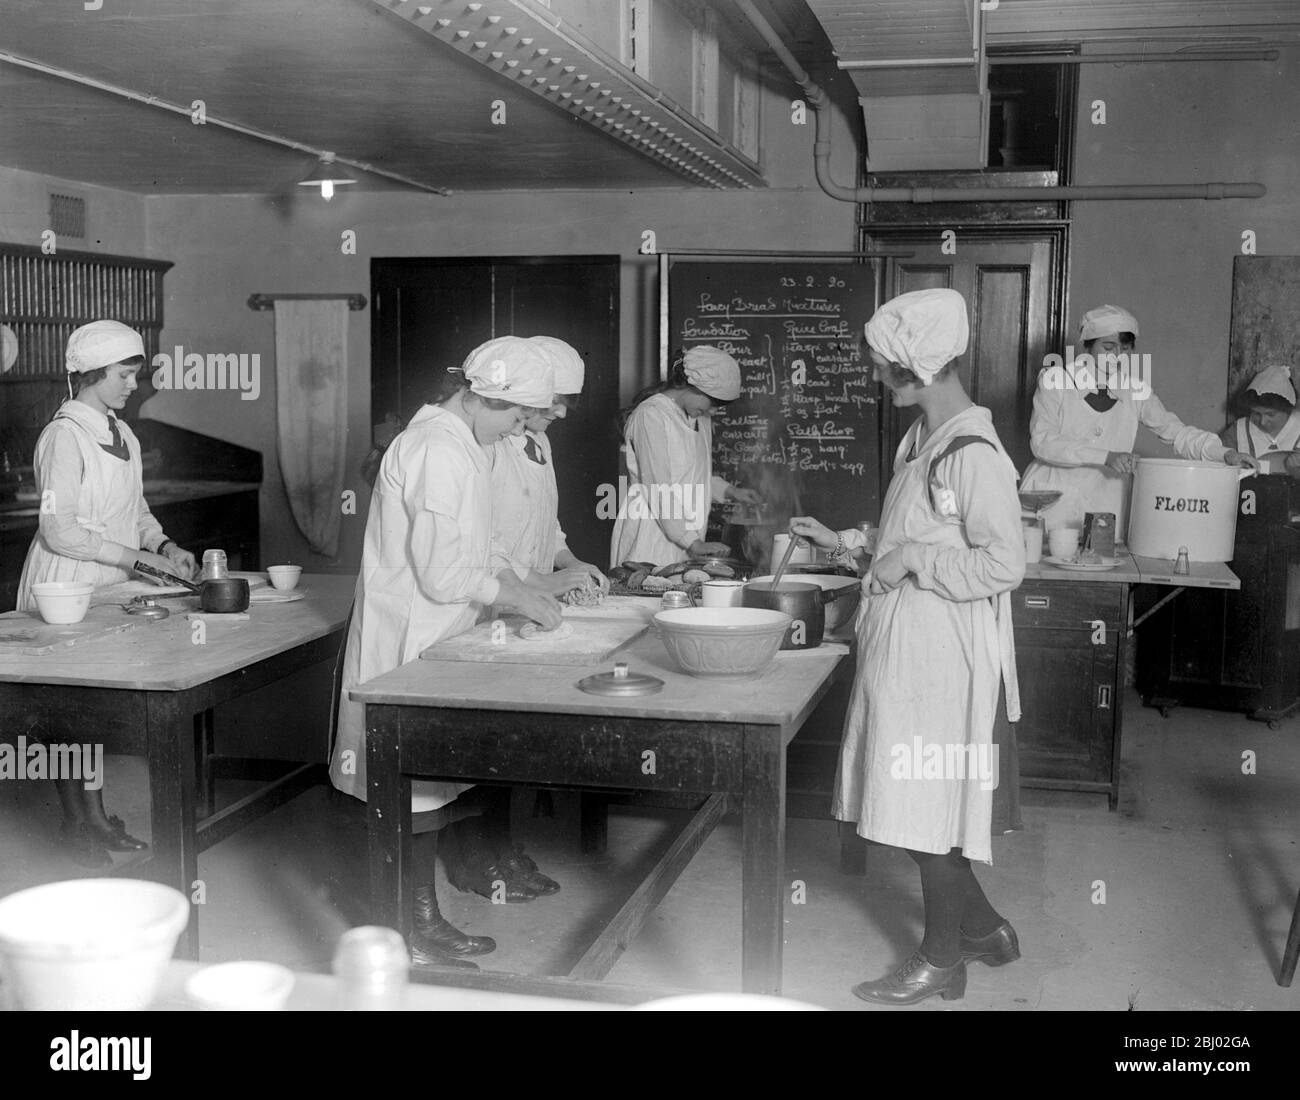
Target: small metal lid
{"points": [[621, 682]]}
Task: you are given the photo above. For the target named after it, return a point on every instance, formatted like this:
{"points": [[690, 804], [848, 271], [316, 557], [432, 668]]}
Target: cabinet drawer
{"points": [[1066, 606]]}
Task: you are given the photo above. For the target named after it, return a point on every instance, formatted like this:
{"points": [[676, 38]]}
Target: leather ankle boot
{"points": [[435, 931], [115, 838]]}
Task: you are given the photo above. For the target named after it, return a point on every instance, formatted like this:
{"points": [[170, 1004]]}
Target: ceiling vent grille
{"points": [[68, 216]]}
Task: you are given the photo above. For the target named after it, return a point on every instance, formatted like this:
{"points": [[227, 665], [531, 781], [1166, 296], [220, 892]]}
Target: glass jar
{"points": [[214, 565]]}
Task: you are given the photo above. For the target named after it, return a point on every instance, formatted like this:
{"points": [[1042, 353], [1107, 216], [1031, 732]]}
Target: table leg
{"points": [[593, 822], [175, 850], [206, 780], [388, 815], [1291, 954], [763, 860]]}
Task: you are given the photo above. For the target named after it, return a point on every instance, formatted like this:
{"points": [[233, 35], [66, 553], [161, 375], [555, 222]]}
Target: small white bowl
{"points": [[89, 944], [241, 987], [63, 602], [284, 577]]}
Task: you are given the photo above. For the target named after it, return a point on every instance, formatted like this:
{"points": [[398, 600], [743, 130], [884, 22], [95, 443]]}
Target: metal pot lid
{"points": [[621, 682]]}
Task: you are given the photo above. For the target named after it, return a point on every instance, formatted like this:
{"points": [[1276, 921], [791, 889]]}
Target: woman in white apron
{"points": [[94, 525], [1085, 422], [936, 659], [668, 441], [426, 574], [526, 538], [1270, 432]]}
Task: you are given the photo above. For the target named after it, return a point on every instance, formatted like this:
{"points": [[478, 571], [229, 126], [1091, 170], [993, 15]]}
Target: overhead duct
{"points": [[820, 103]]}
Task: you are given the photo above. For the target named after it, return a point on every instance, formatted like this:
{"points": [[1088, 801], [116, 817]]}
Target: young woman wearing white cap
{"points": [[668, 440], [936, 656], [426, 574], [1270, 430], [94, 525], [526, 538], [1085, 422]]}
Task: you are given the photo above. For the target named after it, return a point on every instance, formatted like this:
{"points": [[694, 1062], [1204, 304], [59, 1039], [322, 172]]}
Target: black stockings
{"points": [[81, 806], [954, 903]]}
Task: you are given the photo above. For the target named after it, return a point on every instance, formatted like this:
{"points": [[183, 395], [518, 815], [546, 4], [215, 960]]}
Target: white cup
{"points": [[285, 577], [1033, 543], [802, 554], [722, 593], [1063, 541], [241, 987]]}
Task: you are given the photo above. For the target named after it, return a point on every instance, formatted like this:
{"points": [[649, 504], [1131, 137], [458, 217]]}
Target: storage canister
{"points": [[1178, 502]]}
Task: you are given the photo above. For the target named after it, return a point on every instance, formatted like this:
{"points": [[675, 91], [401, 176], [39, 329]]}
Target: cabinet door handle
{"points": [[1103, 696], [1040, 603]]}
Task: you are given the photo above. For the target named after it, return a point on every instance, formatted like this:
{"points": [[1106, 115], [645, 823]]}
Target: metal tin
{"points": [[673, 600], [146, 607], [621, 682]]}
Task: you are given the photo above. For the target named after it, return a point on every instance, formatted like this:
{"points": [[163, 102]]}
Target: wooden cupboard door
{"points": [[1068, 705], [1011, 279]]}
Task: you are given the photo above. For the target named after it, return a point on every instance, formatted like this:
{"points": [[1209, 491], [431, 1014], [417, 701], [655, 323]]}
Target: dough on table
{"points": [[533, 632]]}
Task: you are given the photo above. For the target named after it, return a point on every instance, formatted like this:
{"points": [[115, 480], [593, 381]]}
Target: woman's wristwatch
{"points": [[162, 546]]}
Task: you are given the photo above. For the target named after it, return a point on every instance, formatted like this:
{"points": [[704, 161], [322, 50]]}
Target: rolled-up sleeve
{"points": [[440, 552], [984, 489], [1187, 441], [1049, 429]]}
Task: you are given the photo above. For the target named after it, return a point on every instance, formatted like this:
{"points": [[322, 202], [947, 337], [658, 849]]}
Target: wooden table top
{"points": [[776, 697], [164, 656], [1135, 570]]}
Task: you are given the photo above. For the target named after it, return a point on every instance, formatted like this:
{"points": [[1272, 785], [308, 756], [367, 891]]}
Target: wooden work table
{"points": [[723, 742], [151, 691]]}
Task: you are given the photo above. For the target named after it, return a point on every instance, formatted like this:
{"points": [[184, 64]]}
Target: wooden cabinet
{"points": [[1070, 641]]}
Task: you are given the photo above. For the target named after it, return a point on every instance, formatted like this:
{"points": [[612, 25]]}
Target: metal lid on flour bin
{"points": [[621, 683]]}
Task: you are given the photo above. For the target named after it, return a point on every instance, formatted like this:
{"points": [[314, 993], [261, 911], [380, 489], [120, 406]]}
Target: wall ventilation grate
{"points": [[68, 216]]}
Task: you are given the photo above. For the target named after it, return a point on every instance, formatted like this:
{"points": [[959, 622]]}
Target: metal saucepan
{"points": [[226, 596], [803, 602]]}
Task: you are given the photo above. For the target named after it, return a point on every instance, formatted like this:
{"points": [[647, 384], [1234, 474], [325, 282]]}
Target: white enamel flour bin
{"points": [[1178, 502]]}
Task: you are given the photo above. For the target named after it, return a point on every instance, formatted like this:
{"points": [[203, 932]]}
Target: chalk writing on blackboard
{"points": [[808, 401]]}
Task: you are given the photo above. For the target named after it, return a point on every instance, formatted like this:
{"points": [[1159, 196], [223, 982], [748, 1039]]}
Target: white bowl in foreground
{"points": [[241, 987], [726, 643], [285, 577], [89, 944], [62, 603]]}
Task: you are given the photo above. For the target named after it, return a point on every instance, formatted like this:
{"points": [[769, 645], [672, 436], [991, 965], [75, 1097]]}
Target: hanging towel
{"points": [[311, 339]]}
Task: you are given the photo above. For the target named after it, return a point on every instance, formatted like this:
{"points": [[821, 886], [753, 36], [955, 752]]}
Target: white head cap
{"points": [[569, 369], [923, 330], [1106, 321], [101, 344], [511, 368], [711, 370], [1275, 378]]}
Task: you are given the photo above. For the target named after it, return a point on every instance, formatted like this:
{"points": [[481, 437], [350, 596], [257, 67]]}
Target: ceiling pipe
{"points": [[211, 120], [820, 103], [1130, 58]]}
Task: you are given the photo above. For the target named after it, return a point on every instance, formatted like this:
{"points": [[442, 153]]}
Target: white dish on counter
{"points": [[1103, 566]]}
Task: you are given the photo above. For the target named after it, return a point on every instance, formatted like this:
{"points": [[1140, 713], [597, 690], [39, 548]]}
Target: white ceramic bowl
{"points": [[63, 602], [726, 643], [285, 577], [241, 987], [89, 944], [841, 606]]}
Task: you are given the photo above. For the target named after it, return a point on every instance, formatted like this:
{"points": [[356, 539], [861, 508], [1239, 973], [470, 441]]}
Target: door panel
{"points": [[1013, 281]]}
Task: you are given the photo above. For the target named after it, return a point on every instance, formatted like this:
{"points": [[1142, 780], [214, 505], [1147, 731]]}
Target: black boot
{"points": [[432, 930], [83, 845], [523, 869], [473, 868], [115, 838]]}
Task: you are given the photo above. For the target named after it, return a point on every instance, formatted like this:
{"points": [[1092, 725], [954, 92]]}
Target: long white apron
{"points": [[670, 483], [526, 531], [103, 492], [425, 575], [934, 651]]}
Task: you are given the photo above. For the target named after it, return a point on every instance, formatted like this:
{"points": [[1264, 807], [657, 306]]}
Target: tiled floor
{"points": [[1200, 867]]}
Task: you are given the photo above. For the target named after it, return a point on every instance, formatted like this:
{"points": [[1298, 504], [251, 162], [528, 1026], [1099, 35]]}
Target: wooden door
{"points": [[1013, 281], [430, 313]]}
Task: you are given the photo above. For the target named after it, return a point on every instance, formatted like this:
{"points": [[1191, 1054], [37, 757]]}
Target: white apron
{"points": [[91, 493], [526, 533], [1271, 452], [933, 653], [670, 483], [425, 575], [1071, 441]]}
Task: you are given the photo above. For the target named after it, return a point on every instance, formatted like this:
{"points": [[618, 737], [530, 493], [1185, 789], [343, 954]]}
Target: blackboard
{"points": [[808, 403]]}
